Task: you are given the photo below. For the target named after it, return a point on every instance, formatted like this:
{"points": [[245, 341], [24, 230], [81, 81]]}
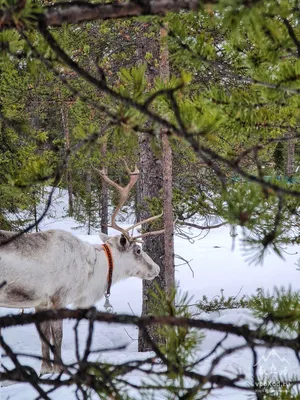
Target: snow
{"points": [[215, 266]]}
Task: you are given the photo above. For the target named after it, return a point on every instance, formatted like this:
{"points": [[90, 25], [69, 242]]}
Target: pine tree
{"points": [[231, 104]]}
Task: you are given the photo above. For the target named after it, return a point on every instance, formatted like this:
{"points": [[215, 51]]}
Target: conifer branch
{"points": [[292, 34], [227, 73], [208, 155]]}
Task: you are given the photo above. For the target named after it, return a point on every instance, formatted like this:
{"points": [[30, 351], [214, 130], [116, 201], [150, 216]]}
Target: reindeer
{"points": [[53, 269]]}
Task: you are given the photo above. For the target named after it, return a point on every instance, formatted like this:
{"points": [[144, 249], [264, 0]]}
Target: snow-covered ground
{"points": [[215, 266]]}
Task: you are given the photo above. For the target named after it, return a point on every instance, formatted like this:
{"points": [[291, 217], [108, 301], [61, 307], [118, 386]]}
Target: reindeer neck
{"points": [[119, 265], [99, 280]]}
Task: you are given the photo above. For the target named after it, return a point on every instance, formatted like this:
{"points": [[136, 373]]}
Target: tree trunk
{"points": [[150, 185], [160, 248], [88, 196], [290, 159], [104, 194], [167, 177], [35, 211], [168, 213], [65, 124]]}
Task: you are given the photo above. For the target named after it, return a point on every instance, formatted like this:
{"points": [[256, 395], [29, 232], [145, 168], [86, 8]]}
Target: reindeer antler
{"points": [[124, 192], [146, 221]]}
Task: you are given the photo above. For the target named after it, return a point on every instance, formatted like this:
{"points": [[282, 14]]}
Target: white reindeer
{"points": [[52, 269]]}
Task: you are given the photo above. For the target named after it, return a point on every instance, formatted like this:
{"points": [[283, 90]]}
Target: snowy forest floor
{"points": [[215, 266]]}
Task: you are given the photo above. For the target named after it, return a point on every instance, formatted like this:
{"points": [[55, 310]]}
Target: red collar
{"points": [[110, 261]]}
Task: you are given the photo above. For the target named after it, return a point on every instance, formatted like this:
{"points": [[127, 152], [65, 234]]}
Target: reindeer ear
{"points": [[104, 237], [123, 241]]}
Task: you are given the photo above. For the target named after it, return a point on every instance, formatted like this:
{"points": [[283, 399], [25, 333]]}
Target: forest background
{"points": [[205, 99]]}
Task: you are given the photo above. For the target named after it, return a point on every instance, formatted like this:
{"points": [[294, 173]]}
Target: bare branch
{"points": [[203, 227], [142, 322], [79, 11], [27, 373]]}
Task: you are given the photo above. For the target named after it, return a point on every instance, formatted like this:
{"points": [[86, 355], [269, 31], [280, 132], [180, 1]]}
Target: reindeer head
{"points": [[131, 256], [141, 265]]}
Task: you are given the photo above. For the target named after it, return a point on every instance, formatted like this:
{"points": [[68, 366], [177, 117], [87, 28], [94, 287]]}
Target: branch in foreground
{"points": [[88, 377], [79, 11], [76, 12], [250, 335]]}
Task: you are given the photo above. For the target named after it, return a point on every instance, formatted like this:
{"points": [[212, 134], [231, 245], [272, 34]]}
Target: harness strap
{"points": [[110, 261]]}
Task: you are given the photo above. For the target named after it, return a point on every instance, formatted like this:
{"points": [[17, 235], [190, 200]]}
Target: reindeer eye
{"points": [[138, 250]]}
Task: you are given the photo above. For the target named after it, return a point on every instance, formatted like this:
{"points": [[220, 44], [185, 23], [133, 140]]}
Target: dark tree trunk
{"points": [[88, 197], [65, 124], [104, 195], [35, 212]]}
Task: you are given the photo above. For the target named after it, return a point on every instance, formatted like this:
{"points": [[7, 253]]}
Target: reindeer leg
{"points": [[57, 332], [45, 336], [57, 335]]}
